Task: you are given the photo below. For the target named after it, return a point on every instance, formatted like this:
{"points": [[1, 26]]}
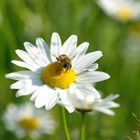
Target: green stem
{"points": [[82, 130], [65, 124]]}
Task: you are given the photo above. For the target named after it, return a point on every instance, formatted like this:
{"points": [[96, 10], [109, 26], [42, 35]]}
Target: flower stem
{"points": [[82, 130], [65, 124]]}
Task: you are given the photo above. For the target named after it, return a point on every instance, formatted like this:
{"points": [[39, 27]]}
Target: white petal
{"points": [[46, 97], [69, 45], [82, 48], [85, 61], [64, 98], [104, 105], [92, 67], [110, 104], [34, 95], [55, 46], [43, 47], [26, 58], [20, 75], [24, 65], [26, 83], [111, 97], [108, 101], [92, 77], [105, 111], [25, 91], [35, 54], [53, 99], [87, 89]]}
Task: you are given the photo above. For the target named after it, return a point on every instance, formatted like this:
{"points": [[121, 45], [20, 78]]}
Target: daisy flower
{"points": [[131, 49], [121, 9], [53, 72], [90, 103], [25, 120]]}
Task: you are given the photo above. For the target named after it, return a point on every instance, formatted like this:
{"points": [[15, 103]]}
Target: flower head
{"points": [[121, 9], [90, 103], [26, 120], [53, 72]]}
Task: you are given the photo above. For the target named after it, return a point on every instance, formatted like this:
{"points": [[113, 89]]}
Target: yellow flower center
{"points": [[29, 123], [55, 75], [88, 104], [124, 13]]}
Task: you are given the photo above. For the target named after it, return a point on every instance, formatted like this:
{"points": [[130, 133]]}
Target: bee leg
{"points": [[68, 68]]}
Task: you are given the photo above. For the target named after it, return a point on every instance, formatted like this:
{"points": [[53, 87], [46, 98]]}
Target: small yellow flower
{"points": [[125, 13], [25, 120], [123, 10], [29, 123]]}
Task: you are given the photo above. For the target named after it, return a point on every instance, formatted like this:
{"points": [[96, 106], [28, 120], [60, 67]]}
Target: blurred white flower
{"points": [[121, 9], [91, 103], [131, 49], [25, 120], [54, 72]]}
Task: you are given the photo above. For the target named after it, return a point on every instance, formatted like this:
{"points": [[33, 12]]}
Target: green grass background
{"points": [[24, 20]]}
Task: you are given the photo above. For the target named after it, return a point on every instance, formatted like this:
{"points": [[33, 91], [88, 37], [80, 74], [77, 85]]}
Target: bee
{"points": [[65, 61]]}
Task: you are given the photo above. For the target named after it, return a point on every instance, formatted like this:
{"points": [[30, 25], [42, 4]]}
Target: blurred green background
{"points": [[24, 20]]}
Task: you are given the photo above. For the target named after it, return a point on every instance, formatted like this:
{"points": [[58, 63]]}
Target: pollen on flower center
{"points": [[55, 75], [29, 123], [124, 13]]}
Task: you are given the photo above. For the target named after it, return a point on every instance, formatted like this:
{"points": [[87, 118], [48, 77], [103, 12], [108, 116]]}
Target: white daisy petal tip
{"points": [[49, 106], [86, 44], [26, 44], [39, 39], [117, 96], [55, 35], [12, 86], [116, 105], [71, 110], [74, 37], [17, 51], [52, 103], [8, 75], [107, 76], [113, 97], [111, 113], [38, 105], [100, 53], [14, 62]]}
